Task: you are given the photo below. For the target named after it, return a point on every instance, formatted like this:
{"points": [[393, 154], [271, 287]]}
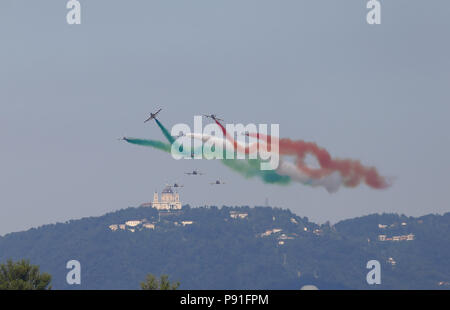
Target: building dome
{"points": [[170, 200]]}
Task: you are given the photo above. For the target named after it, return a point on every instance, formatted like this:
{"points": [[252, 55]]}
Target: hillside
{"points": [[239, 248]]}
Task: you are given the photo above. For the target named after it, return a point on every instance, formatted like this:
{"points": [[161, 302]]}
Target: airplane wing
{"points": [[152, 116]]}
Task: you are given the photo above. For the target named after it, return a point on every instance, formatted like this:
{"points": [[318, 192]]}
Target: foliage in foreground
{"points": [[152, 283], [22, 275]]}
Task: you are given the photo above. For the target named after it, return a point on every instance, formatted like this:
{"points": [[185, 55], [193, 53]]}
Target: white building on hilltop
{"points": [[133, 223], [169, 200], [238, 215]]}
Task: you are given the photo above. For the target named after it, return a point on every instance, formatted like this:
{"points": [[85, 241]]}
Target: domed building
{"points": [[170, 200]]}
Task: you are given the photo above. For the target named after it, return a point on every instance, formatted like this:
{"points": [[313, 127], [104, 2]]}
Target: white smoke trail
{"points": [[331, 182]]}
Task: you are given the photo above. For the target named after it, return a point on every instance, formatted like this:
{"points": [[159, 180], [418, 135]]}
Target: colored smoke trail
{"points": [[165, 132], [331, 175], [331, 182], [286, 169], [250, 149], [247, 168], [159, 145], [351, 171], [151, 143], [250, 168]]}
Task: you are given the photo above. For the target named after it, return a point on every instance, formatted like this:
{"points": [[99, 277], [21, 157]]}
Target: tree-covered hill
{"points": [[238, 248]]}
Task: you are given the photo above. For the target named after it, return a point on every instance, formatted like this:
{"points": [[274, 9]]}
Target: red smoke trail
{"points": [[246, 150], [352, 171]]}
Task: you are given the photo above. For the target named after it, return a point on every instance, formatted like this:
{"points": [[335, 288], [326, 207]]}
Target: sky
{"points": [[67, 92]]}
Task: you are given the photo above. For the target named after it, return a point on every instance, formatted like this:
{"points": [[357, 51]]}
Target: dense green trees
{"points": [[220, 252], [22, 275], [152, 283]]}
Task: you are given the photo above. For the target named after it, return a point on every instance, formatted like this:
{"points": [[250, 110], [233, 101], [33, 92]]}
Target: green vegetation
{"points": [[220, 252], [151, 283], [23, 276]]}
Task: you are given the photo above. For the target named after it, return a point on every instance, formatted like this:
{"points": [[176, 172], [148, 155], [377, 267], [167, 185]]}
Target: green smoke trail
{"points": [[251, 168], [150, 143], [269, 176], [165, 132], [166, 147], [248, 168]]}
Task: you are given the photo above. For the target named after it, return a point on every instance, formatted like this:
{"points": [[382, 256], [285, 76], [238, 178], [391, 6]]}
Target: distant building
{"points": [[149, 226], [271, 231], [266, 233], [133, 223], [317, 231], [169, 200], [236, 215], [391, 261], [408, 237], [285, 237]]}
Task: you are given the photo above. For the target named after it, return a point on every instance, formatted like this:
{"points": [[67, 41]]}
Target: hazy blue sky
{"points": [[376, 93]]}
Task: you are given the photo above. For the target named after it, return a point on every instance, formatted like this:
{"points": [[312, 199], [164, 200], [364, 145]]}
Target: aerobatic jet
{"points": [[152, 116], [195, 172], [218, 182], [214, 117]]}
